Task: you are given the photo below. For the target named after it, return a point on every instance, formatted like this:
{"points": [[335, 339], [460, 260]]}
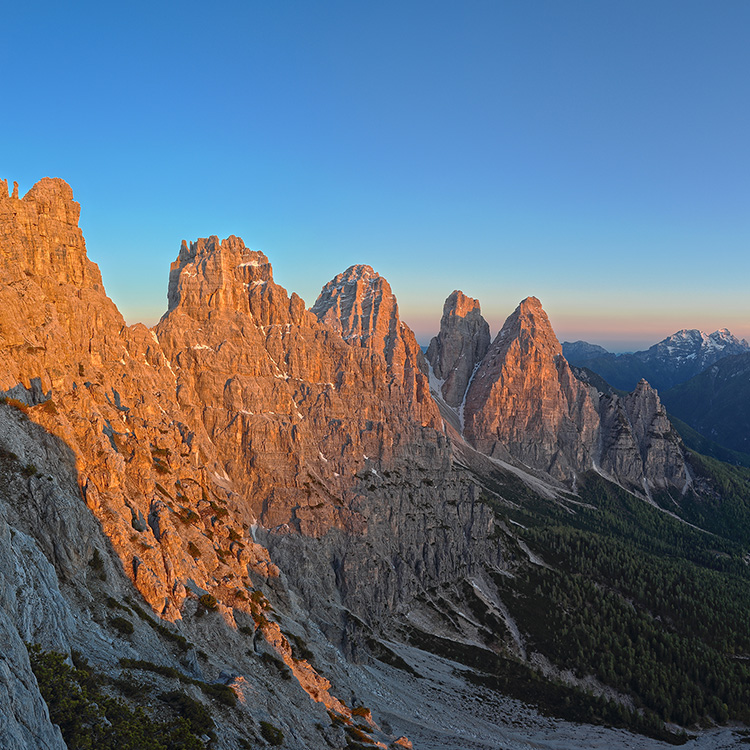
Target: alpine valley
{"points": [[259, 524]]}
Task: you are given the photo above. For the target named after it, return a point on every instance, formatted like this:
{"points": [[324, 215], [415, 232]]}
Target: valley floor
{"points": [[442, 711]]}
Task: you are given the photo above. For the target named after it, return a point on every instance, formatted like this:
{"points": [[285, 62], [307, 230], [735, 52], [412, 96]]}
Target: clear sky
{"points": [[594, 154]]}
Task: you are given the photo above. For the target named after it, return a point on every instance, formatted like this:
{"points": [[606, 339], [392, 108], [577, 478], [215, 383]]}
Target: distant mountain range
{"points": [[673, 360], [716, 402], [703, 380]]}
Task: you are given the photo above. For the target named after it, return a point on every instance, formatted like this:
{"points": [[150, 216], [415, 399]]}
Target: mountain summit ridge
{"points": [[277, 487], [673, 360]]}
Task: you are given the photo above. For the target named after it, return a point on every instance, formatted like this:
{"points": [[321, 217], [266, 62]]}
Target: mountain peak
{"points": [[459, 347], [524, 400], [41, 237], [359, 303], [530, 304], [529, 325], [212, 274], [458, 303], [361, 306], [360, 271]]}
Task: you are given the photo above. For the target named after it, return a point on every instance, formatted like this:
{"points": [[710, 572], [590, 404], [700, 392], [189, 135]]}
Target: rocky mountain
{"points": [[360, 305], [525, 403], [673, 360], [254, 526], [580, 351], [716, 402], [459, 347]]}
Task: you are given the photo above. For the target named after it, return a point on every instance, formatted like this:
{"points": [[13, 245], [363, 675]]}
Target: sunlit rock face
{"points": [[360, 304], [524, 400], [323, 432], [111, 427], [107, 391], [295, 410], [459, 347]]}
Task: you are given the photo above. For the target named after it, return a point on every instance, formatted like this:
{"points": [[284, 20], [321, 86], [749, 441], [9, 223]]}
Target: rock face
{"points": [[360, 305], [639, 447], [525, 402], [176, 463], [140, 443], [152, 479], [109, 392], [459, 347], [295, 410], [323, 432]]}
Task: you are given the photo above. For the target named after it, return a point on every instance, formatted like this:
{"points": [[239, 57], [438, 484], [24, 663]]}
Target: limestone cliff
{"points": [[296, 412], [360, 304], [138, 452], [639, 447], [178, 463], [459, 347], [107, 390], [525, 402]]}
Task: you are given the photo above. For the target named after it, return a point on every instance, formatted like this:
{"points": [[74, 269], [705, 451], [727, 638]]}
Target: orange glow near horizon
{"points": [[628, 332]]}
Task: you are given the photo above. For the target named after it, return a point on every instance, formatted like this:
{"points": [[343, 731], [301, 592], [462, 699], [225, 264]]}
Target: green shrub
{"points": [[219, 512], [221, 693], [112, 603], [358, 735], [5, 453], [29, 470], [148, 666], [130, 687], [195, 713], [89, 719], [300, 649], [271, 734], [272, 661], [208, 601], [182, 643], [121, 624], [186, 515], [96, 562]]}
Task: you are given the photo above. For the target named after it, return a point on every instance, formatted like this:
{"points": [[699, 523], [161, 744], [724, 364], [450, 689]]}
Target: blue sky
{"points": [[593, 154]]}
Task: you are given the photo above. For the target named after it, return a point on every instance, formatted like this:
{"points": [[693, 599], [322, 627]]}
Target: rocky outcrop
{"points": [[151, 479], [360, 305], [296, 412], [135, 444], [459, 347], [638, 445], [177, 463], [525, 402], [354, 488]]}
